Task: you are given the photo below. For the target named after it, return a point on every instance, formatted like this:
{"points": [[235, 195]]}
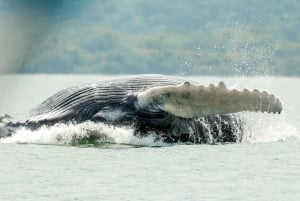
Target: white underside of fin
{"points": [[191, 100]]}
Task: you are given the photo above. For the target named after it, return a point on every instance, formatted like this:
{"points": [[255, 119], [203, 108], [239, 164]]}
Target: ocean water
{"points": [[48, 165]]}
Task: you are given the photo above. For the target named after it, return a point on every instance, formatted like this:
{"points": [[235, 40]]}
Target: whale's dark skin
{"points": [[167, 107]]}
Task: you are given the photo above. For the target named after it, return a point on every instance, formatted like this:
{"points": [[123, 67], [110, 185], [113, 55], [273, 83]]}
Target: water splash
{"points": [[261, 127], [257, 128], [234, 49], [87, 133]]}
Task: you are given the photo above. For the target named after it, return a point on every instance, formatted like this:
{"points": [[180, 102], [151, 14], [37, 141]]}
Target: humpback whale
{"points": [[171, 108]]}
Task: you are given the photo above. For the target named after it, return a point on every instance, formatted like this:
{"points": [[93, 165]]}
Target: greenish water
{"points": [[38, 166]]}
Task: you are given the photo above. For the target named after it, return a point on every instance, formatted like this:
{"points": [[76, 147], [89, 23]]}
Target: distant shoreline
{"points": [[129, 74]]}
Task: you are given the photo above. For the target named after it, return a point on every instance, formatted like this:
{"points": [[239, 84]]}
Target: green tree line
{"points": [[197, 37]]}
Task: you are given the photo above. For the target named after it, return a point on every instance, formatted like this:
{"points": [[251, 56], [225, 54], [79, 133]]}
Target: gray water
{"points": [[38, 166]]}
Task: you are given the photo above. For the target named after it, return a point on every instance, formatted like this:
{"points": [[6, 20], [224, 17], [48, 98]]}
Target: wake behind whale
{"points": [[164, 108]]}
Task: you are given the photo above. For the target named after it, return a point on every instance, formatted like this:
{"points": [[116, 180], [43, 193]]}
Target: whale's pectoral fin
{"points": [[190, 101]]}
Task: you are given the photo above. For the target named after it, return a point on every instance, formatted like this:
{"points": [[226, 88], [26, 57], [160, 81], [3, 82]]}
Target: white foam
{"points": [[261, 127], [67, 133], [258, 128]]}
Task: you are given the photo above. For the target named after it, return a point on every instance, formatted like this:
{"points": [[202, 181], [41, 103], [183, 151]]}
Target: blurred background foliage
{"points": [[215, 37]]}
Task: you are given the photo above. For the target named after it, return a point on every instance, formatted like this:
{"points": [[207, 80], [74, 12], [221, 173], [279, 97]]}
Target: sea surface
{"points": [[48, 165]]}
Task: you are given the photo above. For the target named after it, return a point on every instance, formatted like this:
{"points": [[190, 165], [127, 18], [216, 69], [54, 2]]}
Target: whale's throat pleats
{"points": [[189, 100], [104, 100]]}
